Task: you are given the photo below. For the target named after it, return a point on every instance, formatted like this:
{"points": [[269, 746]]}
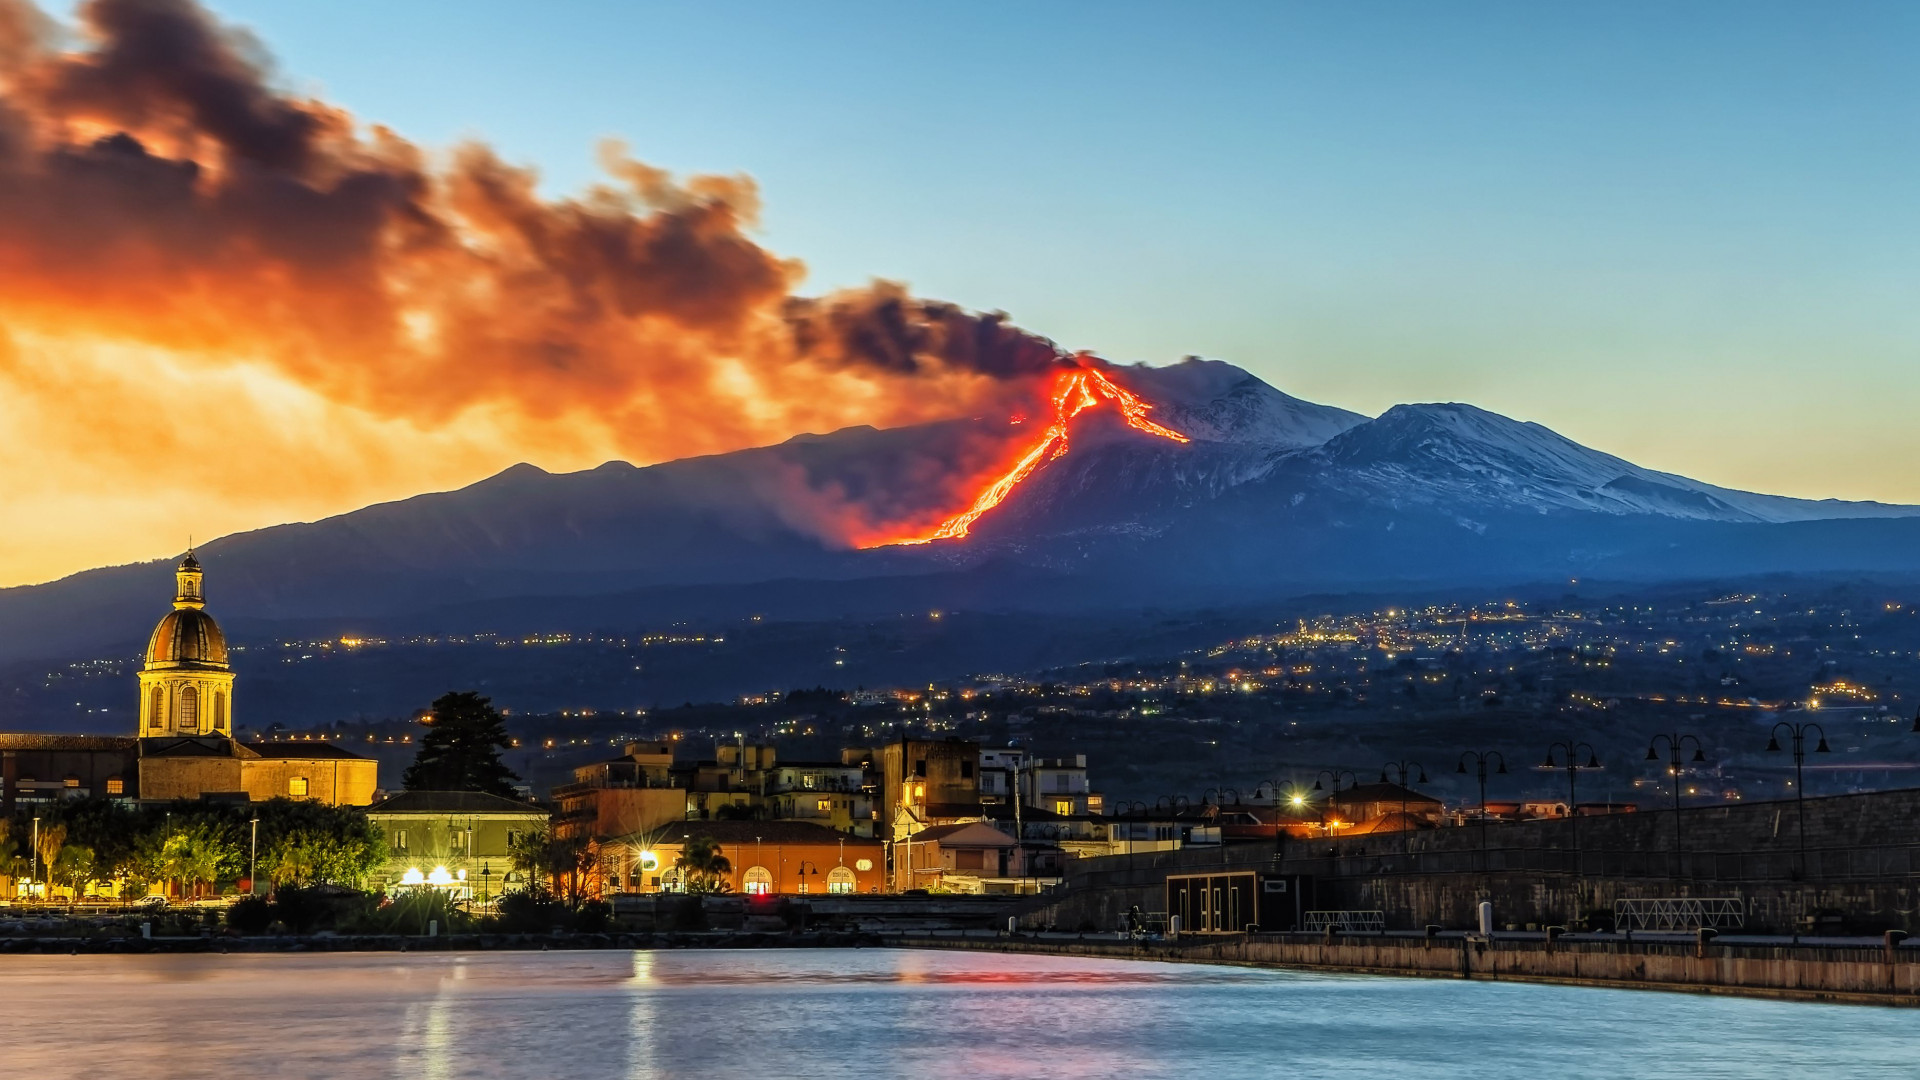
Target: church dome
{"points": [[188, 637]]}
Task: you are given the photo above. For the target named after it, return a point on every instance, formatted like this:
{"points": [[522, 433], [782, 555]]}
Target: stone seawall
{"points": [[1861, 869], [1843, 974]]}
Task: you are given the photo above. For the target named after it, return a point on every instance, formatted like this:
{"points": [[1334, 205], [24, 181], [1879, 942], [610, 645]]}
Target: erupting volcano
{"points": [[1075, 390]]}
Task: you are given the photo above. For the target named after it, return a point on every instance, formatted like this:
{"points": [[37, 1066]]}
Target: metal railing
{"points": [[1680, 913], [1348, 921]]}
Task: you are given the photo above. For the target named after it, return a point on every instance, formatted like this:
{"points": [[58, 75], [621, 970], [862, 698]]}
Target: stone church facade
{"points": [[184, 746]]}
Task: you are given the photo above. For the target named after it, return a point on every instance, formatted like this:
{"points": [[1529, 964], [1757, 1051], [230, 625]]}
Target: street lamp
{"points": [[1798, 732], [253, 860], [1480, 758], [1676, 742], [1572, 751], [33, 880], [1332, 777], [1403, 769]]}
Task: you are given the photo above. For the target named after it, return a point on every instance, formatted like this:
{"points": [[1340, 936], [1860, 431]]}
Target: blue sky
{"points": [[1682, 233]]}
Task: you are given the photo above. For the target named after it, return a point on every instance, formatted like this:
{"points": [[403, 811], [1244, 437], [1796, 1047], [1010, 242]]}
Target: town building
{"points": [[926, 782], [763, 857], [183, 745], [459, 840], [629, 795]]}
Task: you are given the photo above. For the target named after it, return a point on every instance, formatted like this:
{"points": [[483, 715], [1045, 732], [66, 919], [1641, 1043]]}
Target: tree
{"points": [[461, 749], [702, 868], [308, 843], [47, 844], [195, 852], [73, 867], [565, 866]]}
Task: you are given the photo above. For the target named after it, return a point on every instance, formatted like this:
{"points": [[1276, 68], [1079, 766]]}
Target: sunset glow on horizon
{"points": [[230, 298]]}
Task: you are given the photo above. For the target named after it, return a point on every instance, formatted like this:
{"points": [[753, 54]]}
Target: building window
{"points": [[400, 840], [1063, 807], [157, 711], [190, 709], [757, 881], [72, 781], [807, 780], [974, 859], [840, 880], [116, 786], [823, 805], [920, 767], [219, 710], [297, 787], [966, 770]]}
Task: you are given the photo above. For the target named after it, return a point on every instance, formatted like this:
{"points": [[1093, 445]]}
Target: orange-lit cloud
{"points": [[225, 305]]}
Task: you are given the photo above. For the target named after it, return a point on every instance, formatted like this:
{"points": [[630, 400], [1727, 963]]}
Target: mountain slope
{"points": [[1273, 493]]}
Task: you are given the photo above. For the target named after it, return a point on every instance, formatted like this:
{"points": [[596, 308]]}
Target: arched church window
{"points": [[190, 709], [840, 880], [157, 713], [219, 710]]}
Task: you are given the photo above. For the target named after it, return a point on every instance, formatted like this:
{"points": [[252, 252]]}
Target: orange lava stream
{"points": [[1074, 392]]}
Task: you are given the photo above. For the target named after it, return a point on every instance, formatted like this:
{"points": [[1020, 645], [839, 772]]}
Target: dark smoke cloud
{"points": [[158, 187]]}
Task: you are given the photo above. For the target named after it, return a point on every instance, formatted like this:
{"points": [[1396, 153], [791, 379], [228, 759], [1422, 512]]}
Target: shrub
{"points": [[529, 911], [322, 907], [593, 917], [250, 915]]}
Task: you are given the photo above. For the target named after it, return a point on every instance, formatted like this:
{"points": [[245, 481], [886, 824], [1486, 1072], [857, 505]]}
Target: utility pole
{"points": [[1019, 830]]}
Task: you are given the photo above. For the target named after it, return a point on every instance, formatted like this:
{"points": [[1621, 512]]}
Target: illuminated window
{"points": [[757, 881], [840, 880], [190, 709], [823, 805], [807, 780], [297, 786], [1063, 806], [156, 714], [116, 786], [400, 840]]}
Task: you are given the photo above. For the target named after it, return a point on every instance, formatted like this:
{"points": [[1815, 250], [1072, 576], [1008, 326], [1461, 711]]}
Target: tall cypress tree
{"points": [[461, 749]]}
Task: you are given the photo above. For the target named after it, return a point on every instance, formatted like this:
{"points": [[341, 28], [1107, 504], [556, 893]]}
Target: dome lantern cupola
{"points": [[187, 592]]}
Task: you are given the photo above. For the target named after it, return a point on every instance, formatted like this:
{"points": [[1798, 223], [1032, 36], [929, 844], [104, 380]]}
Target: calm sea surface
{"points": [[882, 1012]]}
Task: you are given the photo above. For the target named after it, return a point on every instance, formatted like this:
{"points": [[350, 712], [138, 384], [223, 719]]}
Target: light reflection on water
{"points": [[881, 1013]]}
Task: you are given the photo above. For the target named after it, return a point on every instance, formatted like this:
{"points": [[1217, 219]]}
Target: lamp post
{"points": [[1403, 769], [1332, 777], [1676, 742], [33, 880], [253, 859], [1480, 758], [803, 872], [1572, 751], [1272, 788], [1798, 733]]}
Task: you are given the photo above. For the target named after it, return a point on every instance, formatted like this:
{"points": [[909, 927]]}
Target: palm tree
{"points": [[702, 867]]}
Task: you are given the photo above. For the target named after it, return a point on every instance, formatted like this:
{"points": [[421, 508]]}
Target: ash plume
{"points": [[159, 188]]}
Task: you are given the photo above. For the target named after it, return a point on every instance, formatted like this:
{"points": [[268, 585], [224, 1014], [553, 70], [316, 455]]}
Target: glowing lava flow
{"points": [[1076, 390]]}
